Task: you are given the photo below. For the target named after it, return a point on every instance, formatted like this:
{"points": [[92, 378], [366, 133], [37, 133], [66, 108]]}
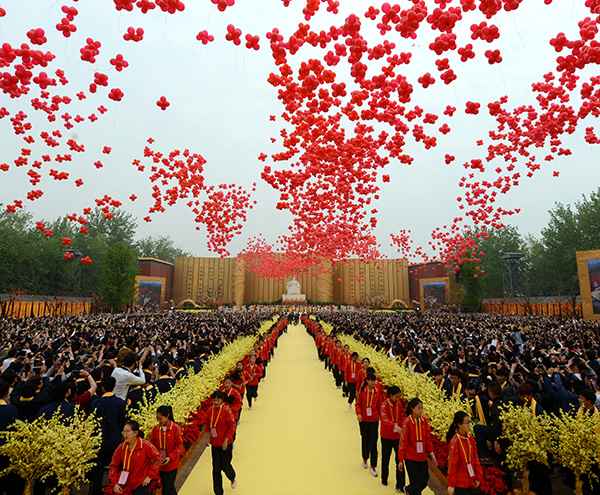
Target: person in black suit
{"points": [[110, 411], [9, 483]]}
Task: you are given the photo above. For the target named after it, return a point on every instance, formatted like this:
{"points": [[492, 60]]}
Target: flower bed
{"points": [[438, 409]]}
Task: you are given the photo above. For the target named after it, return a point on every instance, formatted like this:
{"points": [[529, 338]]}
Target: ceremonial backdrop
{"points": [[226, 281], [588, 267]]}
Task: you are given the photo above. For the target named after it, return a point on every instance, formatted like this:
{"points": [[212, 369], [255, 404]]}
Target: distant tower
{"points": [[514, 280]]}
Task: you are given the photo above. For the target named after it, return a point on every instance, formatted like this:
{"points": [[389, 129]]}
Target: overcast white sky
{"points": [[221, 102]]}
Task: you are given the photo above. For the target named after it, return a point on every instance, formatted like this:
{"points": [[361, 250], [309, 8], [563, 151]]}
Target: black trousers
{"points": [[141, 490], [167, 478], [251, 393], [418, 475], [351, 392], [97, 472], [368, 437], [387, 446], [539, 478], [339, 379], [221, 462]]}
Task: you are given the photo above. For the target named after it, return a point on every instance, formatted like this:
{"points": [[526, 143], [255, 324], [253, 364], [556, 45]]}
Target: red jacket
{"points": [[254, 369], [369, 401], [220, 424], [351, 371], [240, 382], [361, 377], [142, 462], [391, 415], [414, 432], [170, 442], [237, 401], [264, 353], [344, 359], [463, 451], [333, 353]]}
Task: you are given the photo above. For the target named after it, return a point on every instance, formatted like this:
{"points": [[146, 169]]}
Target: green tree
{"points": [[119, 269], [470, 279], [120, 227], [160, 247], [570, 229], [498, 241]]}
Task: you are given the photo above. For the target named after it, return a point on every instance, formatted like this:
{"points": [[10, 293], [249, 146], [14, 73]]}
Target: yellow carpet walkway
{"points": [[300, 437]]}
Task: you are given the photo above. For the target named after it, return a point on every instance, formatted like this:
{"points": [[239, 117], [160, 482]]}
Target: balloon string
{"points": [[517, 29]]}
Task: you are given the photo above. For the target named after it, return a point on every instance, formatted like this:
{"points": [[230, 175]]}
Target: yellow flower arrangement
{"points": [[438, 409], [65, 448], [77, 445], [576, 444], [529, 438], [193, 389], [327, 327]]}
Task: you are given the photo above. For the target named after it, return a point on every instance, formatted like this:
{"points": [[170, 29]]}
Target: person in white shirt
{"points": [[124, 375]]}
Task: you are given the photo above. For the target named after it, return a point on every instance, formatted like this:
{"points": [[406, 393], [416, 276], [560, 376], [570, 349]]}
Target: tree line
{"points": [[34, 263], [549, 267]]}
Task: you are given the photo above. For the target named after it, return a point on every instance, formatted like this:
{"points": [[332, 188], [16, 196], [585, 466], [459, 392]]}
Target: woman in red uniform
{"points": [[166, 437], [254, 371], [368, 406], [415, 447], [236, 404], [362, 373], [220, 426], [134, 464], [464, 470], [351, 377], [240, 379], [392, 415]]}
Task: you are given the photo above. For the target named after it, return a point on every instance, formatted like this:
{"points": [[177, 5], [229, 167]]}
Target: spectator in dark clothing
{"points": [[491, 432], [110, 411], [60, 394], [165, 381]]}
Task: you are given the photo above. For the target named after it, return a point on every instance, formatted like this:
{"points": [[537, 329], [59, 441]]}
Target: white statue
{"points": [[293, 287]]}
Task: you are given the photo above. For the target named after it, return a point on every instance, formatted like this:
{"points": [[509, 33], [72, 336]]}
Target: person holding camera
{"points": [[125, 377]]}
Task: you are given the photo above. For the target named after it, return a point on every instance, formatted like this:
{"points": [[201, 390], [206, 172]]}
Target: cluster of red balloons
{"points": [[178, 176], [337, 136]]}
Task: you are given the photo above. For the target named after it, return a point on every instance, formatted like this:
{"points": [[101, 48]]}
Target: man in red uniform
{"points": [[254, 371], [351, 377], [220, 427]]}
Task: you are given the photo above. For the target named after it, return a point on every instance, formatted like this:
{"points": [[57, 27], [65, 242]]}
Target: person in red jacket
{"points": [[240, 379], [327, 348], [362, 373], [368, 406], [134, 464], [464, 470], [236, 404], [351, 377], [344, 359], [415, 447], [220, 427], [166, 437], [392, 416], [254, 371]]}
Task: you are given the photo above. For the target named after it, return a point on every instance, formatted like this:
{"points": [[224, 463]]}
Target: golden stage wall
{"points": [[225, 280], [204, 280], [356, 281]]}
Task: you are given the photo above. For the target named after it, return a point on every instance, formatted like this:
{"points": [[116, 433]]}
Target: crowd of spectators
{"points": [[547, 364], [105, 364]]}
